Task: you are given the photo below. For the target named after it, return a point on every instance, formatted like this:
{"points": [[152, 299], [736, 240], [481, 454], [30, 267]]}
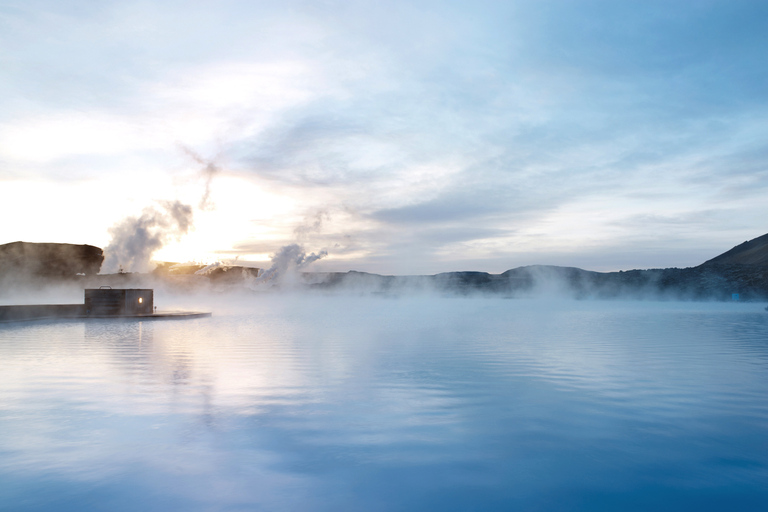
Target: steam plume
{"points": [[136, 239], [210, 170], [287, 260]]}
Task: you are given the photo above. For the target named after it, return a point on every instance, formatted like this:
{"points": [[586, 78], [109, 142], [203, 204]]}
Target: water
{"points": [[320, 404]]}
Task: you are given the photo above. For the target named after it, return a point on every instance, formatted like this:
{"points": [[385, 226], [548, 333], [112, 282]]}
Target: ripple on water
{"points": [[337, 403]]}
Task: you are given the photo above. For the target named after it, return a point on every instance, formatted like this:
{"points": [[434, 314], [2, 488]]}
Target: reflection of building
{"points": [[118, 302]]}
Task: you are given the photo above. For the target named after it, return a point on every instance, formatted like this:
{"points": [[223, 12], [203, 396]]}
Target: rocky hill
{"points": [[752, 252], [19, 260]]}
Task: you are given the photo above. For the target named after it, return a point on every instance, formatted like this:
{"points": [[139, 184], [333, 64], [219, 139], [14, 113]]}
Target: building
{"points": [[106, 301]]}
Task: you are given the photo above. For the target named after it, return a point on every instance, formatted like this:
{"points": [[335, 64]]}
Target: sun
{"points": [[242, 211]]}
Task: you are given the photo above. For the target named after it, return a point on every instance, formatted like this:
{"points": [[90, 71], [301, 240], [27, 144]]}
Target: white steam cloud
{"points": [[286, 262], [136, 239]]}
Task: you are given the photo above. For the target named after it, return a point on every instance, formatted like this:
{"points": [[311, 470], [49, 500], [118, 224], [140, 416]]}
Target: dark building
{"points": [[118, 302], [100, 303]]}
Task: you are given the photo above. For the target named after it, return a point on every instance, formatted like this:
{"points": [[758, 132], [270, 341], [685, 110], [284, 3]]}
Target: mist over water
{"points": [[318, 402]]}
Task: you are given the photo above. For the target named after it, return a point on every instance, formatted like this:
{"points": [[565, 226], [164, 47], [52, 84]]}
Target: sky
{"points": [[398, 137]]}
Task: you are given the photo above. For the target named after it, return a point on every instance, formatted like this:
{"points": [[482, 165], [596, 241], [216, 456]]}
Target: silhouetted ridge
{"points": [[752, 252], [49, 260]]}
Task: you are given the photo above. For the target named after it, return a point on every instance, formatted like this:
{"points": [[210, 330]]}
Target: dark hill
{"points": [[753, 252], [23, 259]]}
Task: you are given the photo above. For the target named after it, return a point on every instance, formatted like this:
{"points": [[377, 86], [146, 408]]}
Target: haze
{"points": [[396, 137]]}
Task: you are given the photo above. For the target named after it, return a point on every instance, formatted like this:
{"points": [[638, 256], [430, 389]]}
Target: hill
{"points": [[48, 260], [752, 252]]}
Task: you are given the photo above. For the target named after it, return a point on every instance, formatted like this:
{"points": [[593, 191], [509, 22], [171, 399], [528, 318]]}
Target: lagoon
{"points": [[320, 403]]}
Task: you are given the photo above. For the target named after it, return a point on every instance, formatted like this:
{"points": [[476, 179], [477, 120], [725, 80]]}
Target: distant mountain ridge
{"points": [[740, 272], [716, 282], [752, 252]]}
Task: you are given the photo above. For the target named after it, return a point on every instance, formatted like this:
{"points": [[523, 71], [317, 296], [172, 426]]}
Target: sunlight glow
{"points": [[242, 210]]}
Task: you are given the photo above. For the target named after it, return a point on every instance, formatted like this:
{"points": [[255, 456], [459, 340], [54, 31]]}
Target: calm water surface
{"points": [[315, 404]]}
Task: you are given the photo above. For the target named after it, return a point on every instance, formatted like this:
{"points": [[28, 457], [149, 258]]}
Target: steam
{"points": [[208, 269], [210, 170], [290, 258], [312, 224], [136, 239], [286, 262]]}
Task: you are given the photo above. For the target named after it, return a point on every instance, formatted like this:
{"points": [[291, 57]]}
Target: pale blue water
{"points": [[327, 404]]}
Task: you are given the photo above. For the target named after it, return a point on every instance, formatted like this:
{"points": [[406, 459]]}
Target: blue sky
{"points": [[400, 137]]}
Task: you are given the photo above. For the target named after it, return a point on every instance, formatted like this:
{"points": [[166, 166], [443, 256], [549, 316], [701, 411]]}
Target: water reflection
{"points": [[320, 404]]}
